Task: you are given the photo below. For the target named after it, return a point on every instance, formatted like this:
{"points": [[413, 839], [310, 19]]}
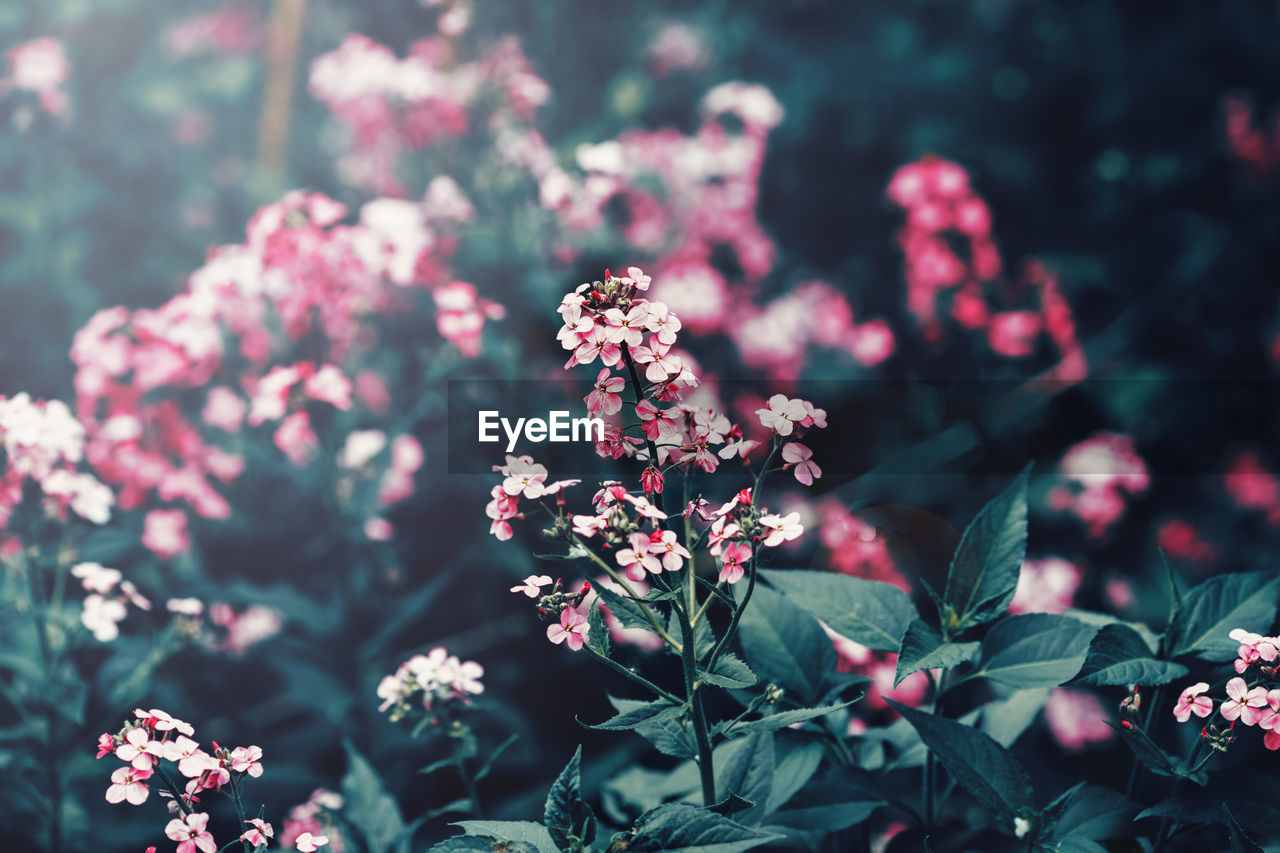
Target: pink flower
{"points": [[636, 277], [296, 438], [655, 423], [663, 323], [190, 834], [806, 470], [572, 628], [329, 385], [162, 722], [259, 832], [627, 328], [106, 745], [308, 843], [164, 531], [138, 749], [781, 528], [661, 365], [651, 480], [1191, 702], [102, 617], [596, 343], [532, 585], [524, 477], [604, 399], [129, 783], [1076, 719], [1244, 705], [667, 547], [733, 560], [722, 530], [587, 526], [247, 759], [638, 559], [782, 414], [191, 759]]}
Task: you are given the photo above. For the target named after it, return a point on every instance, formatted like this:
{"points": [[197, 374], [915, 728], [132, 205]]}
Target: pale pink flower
{"points": [[665, 545], [139, 749], [732, 561], [524, 477], [722, 531], [190, 834], [1045, 586], [102, 617], [587, 526], [655, 423], [95, 577], [308, 843], [596, 343], [162, 722], [247, 759], [1191, 702], [296, 438], [259, 833], [185, 606], [329, 385], [627, 328], [638, 558], [800, 456], [1244, 705], [781, 528], [663, 323], [661, 364], [532, 585], [782, 414], [224, 409], [604, 399], [635, 276], [572, 628], [1077, 719], [1270, 719], [129, 784], [164, 531], [191, 759]]}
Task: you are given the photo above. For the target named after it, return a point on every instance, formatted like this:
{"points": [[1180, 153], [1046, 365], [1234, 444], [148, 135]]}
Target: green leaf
{"points": [[682, 828], [729, 672], [791, 773], [1119, 656], [1156, 759], [1006, 719], [626, 610], [569, 820], [1210, 610], [526, 832], [984, 570], [1092, 812], [1034, 650], [669, 735], [923, 648], [749, 775], [873, 613], [833, 802], [773, 722], [464, 843], [368, 805], [644, 712], [978, 764], [597, 631], [786, 645], [1240, 843]]}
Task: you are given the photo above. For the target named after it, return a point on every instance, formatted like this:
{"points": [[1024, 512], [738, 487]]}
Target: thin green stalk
{"points": [[617, 578], [235, 797], [634, 676]]}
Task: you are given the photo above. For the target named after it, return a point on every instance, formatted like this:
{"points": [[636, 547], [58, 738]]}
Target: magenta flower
{"points": [[733, 560], [796, 454], [129, 783], [190, 834], [604, 399], [532, 585], [106, 745], [572, 628], [1244, 705], [651, 480], [595, 344], [722, 531], [259, 832], [1191, 702]]}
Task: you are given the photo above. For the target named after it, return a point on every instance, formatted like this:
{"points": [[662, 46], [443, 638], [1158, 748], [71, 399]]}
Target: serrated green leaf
{"points": [[1156, 759], [526, 832], [729, 672], [625, 610], [924, 648], [1211, 609], [669, 735], [978, 764], [641, 713], [774, 722], [682, 828], [1118, 656], [984, 570], [1034, 650], [873, 613], [786, 645], [597, 631], [569, 820]]}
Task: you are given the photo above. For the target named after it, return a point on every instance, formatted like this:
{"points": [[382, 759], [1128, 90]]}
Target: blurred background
{"points": [[1010, 232]]}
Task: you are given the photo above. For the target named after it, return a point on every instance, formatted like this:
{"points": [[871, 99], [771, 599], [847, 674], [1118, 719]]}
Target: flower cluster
{"points": [[106, 605], [312, 824], [44, 444], [1098, 473], [1252, 702], [40, 67], [438, 676], [229, 342], [941, 206], [154, 737]]}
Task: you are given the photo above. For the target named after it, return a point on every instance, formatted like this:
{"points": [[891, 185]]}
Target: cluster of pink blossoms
{"points": [[45, 444], [1097, 474], [41, 68], [940, 205], [1248, 143], [106, 605], [437, 675], [390, 105], [1254, 705], [231, 339], [312, 825], [1252, 486], [153, 737]]}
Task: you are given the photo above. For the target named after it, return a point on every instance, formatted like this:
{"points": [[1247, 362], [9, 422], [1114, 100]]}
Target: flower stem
{"points": [[634, 676]]}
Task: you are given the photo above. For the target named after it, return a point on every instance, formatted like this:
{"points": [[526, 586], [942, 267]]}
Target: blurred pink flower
{"points": [[1076, 719]]}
